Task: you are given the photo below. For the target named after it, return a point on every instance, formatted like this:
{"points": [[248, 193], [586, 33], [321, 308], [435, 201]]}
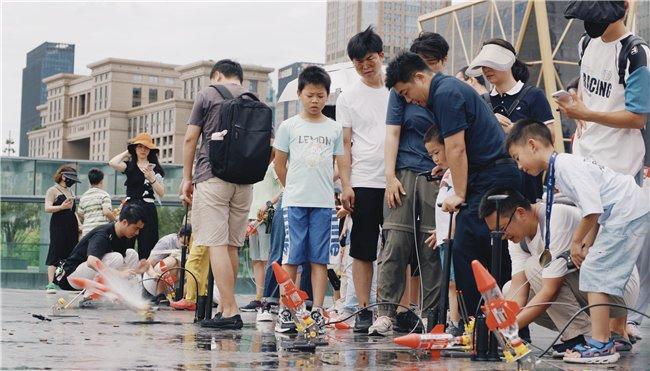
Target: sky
{"points": [[268, 33]]}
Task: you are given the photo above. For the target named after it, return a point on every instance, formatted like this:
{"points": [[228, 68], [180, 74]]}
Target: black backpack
{"points": [[627, 44], [242, 157]]}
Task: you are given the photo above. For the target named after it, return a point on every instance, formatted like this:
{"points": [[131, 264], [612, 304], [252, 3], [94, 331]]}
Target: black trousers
{"points": [[472, 237], [148, 236]]}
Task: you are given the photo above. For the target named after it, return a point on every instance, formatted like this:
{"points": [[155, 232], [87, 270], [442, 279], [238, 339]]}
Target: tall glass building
{"points": [[45, 60]]}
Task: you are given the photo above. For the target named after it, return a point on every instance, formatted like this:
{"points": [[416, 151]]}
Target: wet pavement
{"points": [[103, 338]]}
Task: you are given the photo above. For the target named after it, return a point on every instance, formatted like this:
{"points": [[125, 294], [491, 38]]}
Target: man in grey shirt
{"points": [[219, 208]]}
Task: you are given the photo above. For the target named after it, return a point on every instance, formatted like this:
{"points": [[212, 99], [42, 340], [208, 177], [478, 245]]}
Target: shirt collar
{"points": [[513, 91]]}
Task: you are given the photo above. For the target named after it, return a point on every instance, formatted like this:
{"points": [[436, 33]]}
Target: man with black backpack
{"points": [[235, 130]]}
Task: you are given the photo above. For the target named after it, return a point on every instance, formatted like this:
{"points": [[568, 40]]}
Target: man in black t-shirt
{"points": [[109, 243]]}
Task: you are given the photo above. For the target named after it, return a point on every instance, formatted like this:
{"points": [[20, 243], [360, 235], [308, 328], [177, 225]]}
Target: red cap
{"points": [[412, 341], [484, 280], [280, 274]]}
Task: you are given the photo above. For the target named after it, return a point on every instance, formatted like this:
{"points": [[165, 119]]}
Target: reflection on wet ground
{"points": [[106, 338]]}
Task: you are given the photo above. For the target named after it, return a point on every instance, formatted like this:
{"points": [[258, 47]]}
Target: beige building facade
{"points": [[93, 117], [395, 21]]}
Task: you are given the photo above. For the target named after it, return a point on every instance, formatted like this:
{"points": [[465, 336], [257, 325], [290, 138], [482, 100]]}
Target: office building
{"points": [[395, 21], [45, 60], [93, 117]]}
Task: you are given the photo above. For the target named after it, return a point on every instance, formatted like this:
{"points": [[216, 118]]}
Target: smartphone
{"points": [[151, 166], [562, 96]]}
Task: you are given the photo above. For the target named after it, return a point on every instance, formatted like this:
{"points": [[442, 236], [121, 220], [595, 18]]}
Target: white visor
{"points": [[493, 56]]}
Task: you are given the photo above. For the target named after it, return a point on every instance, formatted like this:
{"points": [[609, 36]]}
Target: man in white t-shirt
{"points": [[531, 285], [361, 109], [609, 112]]}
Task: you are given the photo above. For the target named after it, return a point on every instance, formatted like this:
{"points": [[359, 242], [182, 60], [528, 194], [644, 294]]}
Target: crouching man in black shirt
{"points": [[109, 243]]}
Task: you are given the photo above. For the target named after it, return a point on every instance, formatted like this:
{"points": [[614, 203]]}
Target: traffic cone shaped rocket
{"points": [[94, 288], [292, 298], [501, 314]]}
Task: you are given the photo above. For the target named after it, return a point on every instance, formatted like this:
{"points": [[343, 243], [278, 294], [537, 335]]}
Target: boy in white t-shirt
{"points": [[305, 147], [436, 149], [606, 199], [361, 110], [609, 112]]}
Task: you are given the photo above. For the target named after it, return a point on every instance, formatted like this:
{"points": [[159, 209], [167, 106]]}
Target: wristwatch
{"points": [[269, 204]]}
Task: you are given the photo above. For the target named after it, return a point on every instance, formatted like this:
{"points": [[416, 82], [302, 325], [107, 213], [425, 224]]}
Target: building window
{"points": [[192, 89], [153, 95], [169, 94], [153, 79], [136, 99], [185, 89], [252, 86], [105, 96], [137, 78]]}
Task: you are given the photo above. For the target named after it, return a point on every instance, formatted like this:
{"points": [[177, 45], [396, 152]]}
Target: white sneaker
{"points": [[264, 315], [381, 327], [633, 329]]}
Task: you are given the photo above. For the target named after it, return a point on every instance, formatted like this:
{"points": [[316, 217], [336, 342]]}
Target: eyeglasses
{"points": [[509, 221]]}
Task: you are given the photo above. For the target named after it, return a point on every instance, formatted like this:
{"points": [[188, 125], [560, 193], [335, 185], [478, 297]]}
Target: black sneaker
{"points": [[224, 323], [560, 348], [407, 322], [524, 334], [363, 321], [252, 306]]}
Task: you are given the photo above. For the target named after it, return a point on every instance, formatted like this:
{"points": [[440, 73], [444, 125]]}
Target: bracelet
{"points": [[154, 181]]}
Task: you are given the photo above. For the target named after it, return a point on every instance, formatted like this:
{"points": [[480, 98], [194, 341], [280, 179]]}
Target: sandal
{"points": [[621, 343], [593, 351]]}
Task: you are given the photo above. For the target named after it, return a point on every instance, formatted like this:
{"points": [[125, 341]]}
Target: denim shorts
{"points": [[610, 261], [309, 232]]}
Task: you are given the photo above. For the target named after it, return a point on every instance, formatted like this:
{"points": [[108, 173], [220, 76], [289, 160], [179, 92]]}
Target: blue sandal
{"points": [[593, 351]]}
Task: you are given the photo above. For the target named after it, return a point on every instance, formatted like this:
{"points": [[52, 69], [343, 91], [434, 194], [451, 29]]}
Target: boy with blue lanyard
{"points": [[605, 198], [474, 149]]}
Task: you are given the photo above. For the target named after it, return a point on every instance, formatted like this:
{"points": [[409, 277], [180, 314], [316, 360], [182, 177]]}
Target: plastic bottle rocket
{"points": [[500, 314], [294, 300]]}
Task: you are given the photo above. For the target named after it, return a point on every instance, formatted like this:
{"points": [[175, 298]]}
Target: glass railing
{"points": [[24, 176], [24, 225]]}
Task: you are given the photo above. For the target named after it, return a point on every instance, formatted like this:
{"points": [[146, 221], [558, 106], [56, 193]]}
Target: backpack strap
{"points": [[227, 95], [628, 44], [521, 96], [583, 46], [223, 91]]}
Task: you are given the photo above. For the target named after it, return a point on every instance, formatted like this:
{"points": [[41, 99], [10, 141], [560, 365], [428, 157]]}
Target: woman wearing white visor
{"points": [[511, 99]]}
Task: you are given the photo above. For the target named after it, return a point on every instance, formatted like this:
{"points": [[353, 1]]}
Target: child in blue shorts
{"points": [[310, 142], [609, 200]]}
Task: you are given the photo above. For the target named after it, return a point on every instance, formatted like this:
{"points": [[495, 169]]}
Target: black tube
{"points": [[181, 277]]}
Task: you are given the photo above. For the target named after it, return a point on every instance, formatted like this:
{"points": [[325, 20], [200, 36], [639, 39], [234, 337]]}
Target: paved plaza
{"points": [[104, 338]]}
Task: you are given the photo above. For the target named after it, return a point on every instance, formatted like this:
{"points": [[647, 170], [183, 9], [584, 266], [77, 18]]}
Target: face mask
{"points": [[595, 30], [69, 182]]}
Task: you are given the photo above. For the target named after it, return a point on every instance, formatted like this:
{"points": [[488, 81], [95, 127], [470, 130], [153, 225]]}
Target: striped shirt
{"points": [[91, 209]]}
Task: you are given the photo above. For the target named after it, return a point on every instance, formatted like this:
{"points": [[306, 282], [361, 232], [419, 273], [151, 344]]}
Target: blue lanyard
{"points": [[550, 185]]}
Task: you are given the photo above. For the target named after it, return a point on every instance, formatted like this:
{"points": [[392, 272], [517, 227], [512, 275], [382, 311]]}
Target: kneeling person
{"points": [[109, 243], [532, 285], [164, 256]]}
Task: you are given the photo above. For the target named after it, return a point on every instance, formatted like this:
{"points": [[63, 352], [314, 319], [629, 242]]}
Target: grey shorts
{"points": [[401, 218], [259, 244]]}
